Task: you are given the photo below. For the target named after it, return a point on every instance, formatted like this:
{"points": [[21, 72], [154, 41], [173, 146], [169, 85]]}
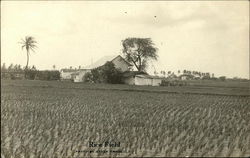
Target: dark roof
{"points": [[123, 60], [75, 73], [148, 76], [156, 77], [132, 73], [72, 70], [188, 75]]}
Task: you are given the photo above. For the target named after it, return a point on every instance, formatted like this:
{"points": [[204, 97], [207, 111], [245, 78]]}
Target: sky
{"points": [[206, 36]]}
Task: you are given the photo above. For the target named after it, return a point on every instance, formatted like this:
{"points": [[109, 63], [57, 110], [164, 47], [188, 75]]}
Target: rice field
{"points": [[53, 119]]}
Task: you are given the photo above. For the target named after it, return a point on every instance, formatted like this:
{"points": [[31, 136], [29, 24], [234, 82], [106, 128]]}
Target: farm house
{"points": [[72, 74], [129, 77], [118, 61], [65, 74], [78, 76], [186, 77], [137, 78]]}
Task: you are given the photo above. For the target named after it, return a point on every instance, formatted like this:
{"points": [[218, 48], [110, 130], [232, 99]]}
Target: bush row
{"points": [[32, 75], [173, 83]]}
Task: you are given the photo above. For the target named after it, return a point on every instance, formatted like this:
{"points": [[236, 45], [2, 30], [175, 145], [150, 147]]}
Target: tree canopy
{"points": [[139, 51]]}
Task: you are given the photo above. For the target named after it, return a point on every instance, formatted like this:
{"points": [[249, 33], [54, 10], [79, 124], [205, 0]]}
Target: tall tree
{"points": [[16, 67], [19, 68], [164, 73], [212, 75], [33, 67], [3, 68], [10, 68], [139, 51], [28, 43], [155, 73]]}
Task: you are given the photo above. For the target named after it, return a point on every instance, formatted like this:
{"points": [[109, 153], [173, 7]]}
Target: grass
{"points": [[194, 87], [58, 119]]}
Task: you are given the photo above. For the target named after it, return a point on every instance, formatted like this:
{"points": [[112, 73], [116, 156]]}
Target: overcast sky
{"points": [[202, 36]]}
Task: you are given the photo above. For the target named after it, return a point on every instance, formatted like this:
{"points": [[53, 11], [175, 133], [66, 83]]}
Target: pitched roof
{"points": [[100, 62], [132, 73], [123, 60], [69, 70], [188, 75], [148, 76], [103, 60], [72, 70]]}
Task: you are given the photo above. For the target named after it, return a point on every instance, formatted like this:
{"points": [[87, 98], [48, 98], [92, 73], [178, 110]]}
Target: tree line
{"points": [[206, 75], [18, 72]]}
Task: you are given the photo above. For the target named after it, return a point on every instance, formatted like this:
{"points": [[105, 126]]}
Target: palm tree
{"points": [[28, 43], [155, 73], [164, 73], [10, 67]]}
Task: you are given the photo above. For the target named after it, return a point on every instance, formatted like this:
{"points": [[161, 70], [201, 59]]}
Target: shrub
{"points": [[31, 74], [12, 76], [164, 83], [105, 74], [222, 78], [206, 78], [48, 75], [173, 83], [88, 77]]}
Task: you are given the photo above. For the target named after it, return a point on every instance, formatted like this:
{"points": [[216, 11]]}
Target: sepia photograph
{"points": [[125, 79]]}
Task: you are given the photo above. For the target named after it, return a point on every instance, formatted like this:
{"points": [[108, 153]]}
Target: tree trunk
{"points": [[26, 68], [139, 58], [136, 65], [27, 59], [134, 62]]}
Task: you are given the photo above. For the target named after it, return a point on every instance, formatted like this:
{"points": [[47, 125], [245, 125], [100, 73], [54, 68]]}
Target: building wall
{"points": [[156, 81], [66, 75], [129, 80], [143, 81], [183, 77], [121, 64]]}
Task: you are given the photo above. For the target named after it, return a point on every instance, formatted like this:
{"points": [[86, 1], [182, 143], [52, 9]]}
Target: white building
{"points": [[65, 74], [138, 78], [79, 76]]}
